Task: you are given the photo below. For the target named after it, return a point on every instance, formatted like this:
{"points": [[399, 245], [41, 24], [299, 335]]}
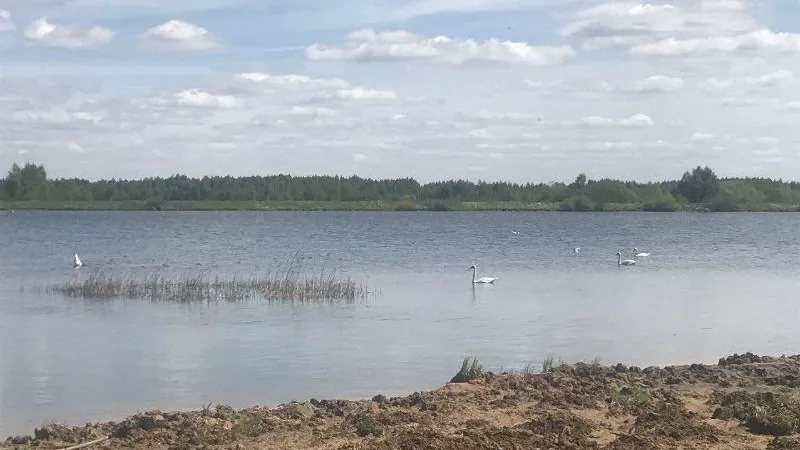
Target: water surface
{"points": [[714, 284]]}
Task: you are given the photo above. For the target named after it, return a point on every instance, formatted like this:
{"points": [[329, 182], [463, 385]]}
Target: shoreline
{"points": [[743, 401], [399, 206]]}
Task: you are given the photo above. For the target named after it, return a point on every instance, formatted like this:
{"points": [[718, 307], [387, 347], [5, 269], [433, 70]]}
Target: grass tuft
{"points": [[547, 364], [470, 370]]}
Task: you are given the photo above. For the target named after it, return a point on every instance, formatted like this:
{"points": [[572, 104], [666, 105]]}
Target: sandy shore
{"points": [[743, 402]]}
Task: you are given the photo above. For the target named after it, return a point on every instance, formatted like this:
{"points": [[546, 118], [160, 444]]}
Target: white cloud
{"points": [[45, 33], [366, 94], [763, 40], [419, 8], [791, 106], [702, 137], [500, 117], [780, 77], [712, 5], [621, 23], [717, 84], [749, 141], [295, 80], [194, 97], [634, 23], [635, 121], [6, 24], [481, 133], [180, 36], [75, 147], [630, 148], [748, 89], [659, 83], [318, 88], [369, 45], [312, 111], [766, 140], [737, 101]]}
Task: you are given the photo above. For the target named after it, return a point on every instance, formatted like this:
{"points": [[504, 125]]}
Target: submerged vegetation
{"points": [[700, 189]]}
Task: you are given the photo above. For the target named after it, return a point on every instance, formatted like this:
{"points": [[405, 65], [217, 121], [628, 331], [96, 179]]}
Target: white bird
{"points": [[627, 262], [639, 254], [576, 250], [515, 233], [481, 280], [77, 261]]}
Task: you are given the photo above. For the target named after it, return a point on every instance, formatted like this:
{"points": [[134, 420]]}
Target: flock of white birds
{"points": [[577, 250]]}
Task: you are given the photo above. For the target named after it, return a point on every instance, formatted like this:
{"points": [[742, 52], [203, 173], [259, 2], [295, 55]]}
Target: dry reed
{"points": [[288, 285]]}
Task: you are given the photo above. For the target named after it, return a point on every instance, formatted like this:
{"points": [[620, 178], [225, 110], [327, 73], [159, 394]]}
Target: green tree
{"points": [[610, 191], [577, 202], [26, 182], [13, 182], [733, 196], [659, 199], [580, 182], [699, 186]]}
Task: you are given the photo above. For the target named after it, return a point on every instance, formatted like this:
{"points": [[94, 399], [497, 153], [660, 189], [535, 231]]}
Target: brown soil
{"points": [[743, 402]]}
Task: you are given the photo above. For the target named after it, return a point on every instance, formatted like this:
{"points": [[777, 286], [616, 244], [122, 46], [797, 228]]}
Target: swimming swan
{"points": [[638, 254], [627, 262], [76, 261], [576, 250], [481, 280]]}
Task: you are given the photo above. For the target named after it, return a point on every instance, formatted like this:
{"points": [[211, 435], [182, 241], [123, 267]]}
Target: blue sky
{"points": [[521, 90]]}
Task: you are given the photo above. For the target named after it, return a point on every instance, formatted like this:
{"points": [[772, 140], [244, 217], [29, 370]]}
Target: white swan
{"points": [[77, 261], [481, 280], [627, 262], [638, 254], [576, 250], [515, 233]]}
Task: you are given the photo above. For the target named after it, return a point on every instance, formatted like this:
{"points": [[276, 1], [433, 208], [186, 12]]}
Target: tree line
{"points": [[698, 186]]}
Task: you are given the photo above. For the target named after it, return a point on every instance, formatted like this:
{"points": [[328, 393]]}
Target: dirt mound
{"points": [[57, 435], [745, 401], [735, 359], [666, 421], [761, 412], [784, 443], [552, 430]]}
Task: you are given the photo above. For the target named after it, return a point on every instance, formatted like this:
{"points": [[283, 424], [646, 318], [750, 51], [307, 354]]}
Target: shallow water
{"points": [[714, 284]]}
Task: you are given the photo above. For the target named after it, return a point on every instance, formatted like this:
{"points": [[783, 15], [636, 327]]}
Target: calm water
{"points": [[714, 284]]}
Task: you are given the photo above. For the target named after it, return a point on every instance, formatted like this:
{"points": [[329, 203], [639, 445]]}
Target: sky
{"points": [[515, 90]]}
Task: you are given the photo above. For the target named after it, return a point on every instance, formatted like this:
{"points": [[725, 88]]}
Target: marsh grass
{"points": [[547, 364], [470, 370], [291, 284]]}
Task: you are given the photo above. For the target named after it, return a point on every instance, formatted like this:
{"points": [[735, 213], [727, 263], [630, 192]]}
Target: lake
{"points": [[713, 285]]}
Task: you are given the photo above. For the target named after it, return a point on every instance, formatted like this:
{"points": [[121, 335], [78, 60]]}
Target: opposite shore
{"points": [[377, 205], [28, 187], [743, 401]]}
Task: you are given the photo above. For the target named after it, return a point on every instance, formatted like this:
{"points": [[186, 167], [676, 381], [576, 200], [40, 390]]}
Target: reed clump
{"points": [[470, 370], [290, 286]]}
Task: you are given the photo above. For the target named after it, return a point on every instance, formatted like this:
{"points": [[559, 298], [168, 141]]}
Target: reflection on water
{"points": [[713, 285]]}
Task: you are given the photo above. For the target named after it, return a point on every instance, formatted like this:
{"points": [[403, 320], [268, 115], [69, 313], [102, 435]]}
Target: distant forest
{"points": [[698, 188]]}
